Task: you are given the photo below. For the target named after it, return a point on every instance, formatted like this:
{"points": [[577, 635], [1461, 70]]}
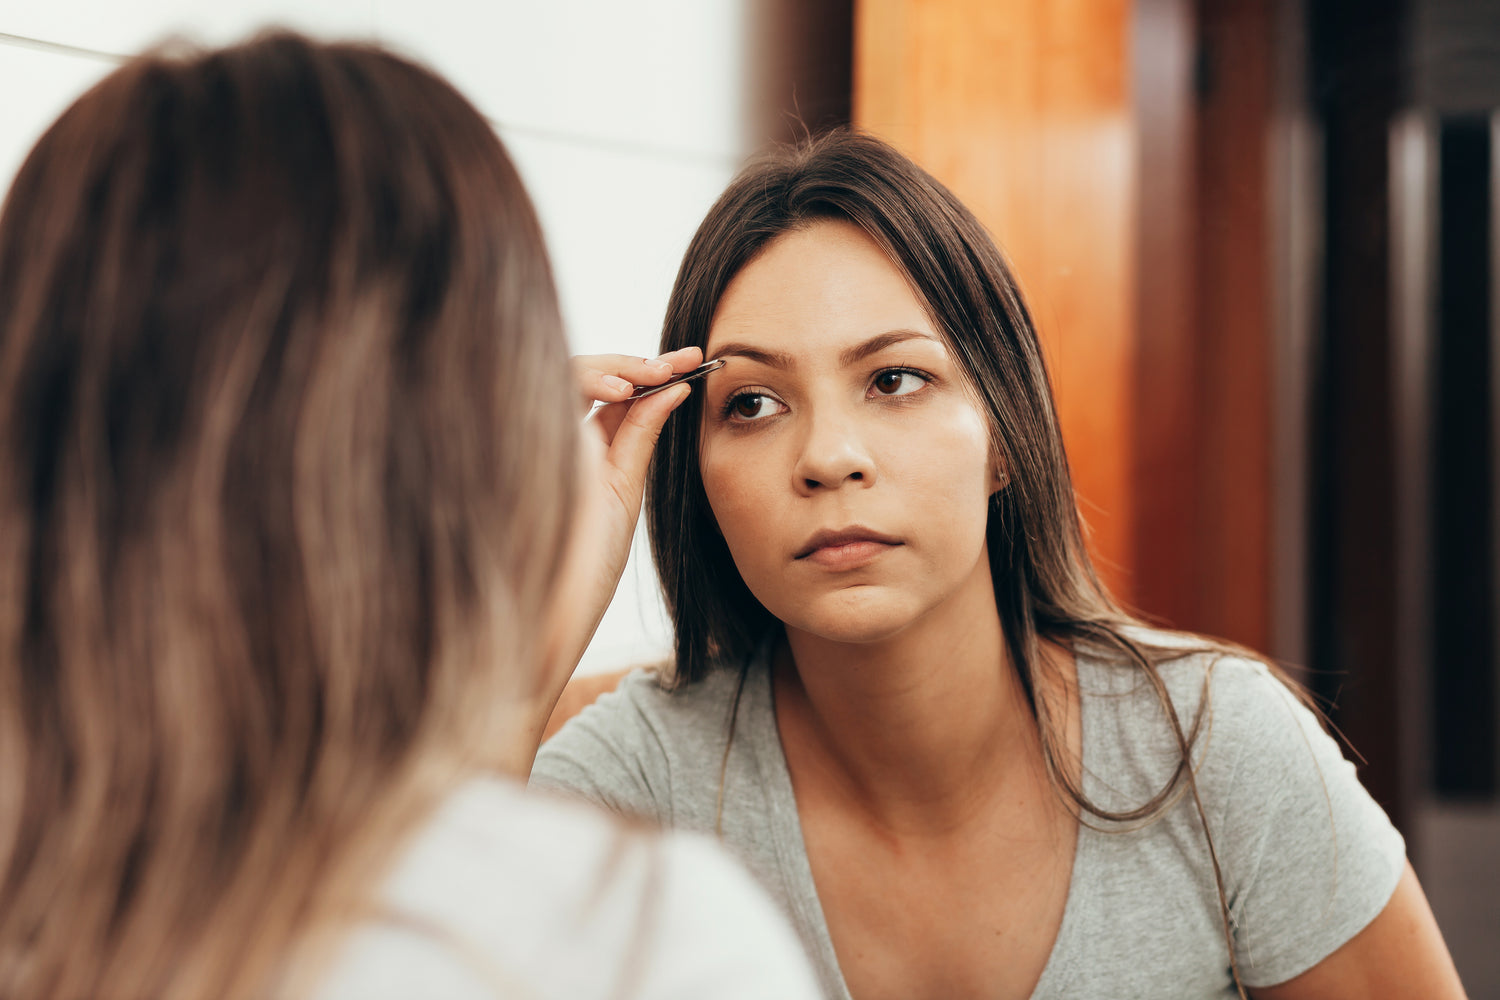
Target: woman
{"points": [[900, 691], [289, 462]]}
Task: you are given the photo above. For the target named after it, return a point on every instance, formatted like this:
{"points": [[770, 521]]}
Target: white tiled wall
{"points": [[625, 119], [126, 26]]}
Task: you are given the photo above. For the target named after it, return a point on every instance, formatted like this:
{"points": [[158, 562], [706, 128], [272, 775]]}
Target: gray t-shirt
{"points": [[1308, 858]]}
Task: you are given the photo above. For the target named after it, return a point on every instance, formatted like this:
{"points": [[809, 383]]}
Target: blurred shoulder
{"points": [[505, 888]]}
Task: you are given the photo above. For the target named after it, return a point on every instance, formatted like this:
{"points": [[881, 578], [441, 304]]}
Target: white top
{"points": [[1308, 857], [508, 893]]}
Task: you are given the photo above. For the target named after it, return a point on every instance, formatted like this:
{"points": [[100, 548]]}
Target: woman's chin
{"points": [[857, 616]]}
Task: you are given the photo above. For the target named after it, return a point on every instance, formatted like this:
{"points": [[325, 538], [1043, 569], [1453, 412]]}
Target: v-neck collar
{"points": [[796, 869]]}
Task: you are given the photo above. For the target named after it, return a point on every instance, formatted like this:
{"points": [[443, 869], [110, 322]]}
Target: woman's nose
{"points": [[832, 453]]}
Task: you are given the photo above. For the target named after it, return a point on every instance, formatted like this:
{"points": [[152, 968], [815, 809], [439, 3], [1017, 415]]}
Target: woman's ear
{"points": [[999, 463]]}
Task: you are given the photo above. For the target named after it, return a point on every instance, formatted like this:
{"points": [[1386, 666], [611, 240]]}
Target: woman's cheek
{"points": [[741, 504], [728, 493]]}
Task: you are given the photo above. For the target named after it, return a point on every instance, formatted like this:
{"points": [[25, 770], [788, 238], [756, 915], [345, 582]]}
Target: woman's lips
{"points": [[849, 548], [849, 555]]}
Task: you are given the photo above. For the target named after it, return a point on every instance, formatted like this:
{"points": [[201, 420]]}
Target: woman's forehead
{"points": [[825, 287]]}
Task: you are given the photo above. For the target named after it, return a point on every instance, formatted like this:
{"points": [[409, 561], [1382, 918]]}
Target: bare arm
{"points": [[580, 693], [626, 433], [1400, 954]]}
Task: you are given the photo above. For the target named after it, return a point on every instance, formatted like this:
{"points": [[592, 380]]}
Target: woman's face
{"points": [[845, 458]]}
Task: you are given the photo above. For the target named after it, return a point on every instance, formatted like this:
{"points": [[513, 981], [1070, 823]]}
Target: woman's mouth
{"points": [[846, 549]]}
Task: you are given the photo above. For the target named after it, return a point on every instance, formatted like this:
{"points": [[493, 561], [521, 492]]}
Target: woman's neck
{"points": [[920, 730]]}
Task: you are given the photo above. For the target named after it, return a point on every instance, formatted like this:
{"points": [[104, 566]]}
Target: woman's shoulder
{"points": [[644, 707], [1227, 703], [650, 692], [646, 750], [1198, 675], [505, 889], [1308, 856]]}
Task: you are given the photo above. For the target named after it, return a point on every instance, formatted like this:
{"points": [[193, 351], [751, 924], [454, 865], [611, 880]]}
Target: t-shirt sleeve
{"points": [[1309, 857], [612, 753]]}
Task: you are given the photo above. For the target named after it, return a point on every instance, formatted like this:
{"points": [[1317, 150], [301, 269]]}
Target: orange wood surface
{"points": [[1024, 110], [1135, 212]]}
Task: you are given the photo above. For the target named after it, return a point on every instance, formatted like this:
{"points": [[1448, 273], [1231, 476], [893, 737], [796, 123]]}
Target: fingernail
{"points": [[618, 383]]}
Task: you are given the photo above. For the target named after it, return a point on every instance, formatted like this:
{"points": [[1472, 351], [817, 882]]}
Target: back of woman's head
{"points": [[286, 465], [1041, 569]]}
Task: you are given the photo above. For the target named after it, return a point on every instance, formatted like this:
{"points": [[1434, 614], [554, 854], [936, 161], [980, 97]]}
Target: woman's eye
{"points": [[898, 382], [752, 406]]}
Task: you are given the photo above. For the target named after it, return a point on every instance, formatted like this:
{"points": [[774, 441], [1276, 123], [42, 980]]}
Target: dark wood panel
{"points": [[1233, 529], [1166, 476], [1353, 556], [1463, 594], [1203, 474]]}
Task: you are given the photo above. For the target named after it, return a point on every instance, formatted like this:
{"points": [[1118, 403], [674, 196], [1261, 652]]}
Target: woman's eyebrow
{"points": [[849, 356], [875, 345], [773, 359]]}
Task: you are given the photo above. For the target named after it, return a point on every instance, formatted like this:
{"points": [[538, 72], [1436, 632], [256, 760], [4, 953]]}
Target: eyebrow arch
{"points": [[851, 356], [875, 345]]}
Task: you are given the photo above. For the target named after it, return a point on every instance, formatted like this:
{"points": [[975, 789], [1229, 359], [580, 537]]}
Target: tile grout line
{"points": [[623, 146], [58, 48]]}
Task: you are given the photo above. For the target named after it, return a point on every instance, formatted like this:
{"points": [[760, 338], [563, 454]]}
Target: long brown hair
{"points": [[287, 462], [1045, 585]]}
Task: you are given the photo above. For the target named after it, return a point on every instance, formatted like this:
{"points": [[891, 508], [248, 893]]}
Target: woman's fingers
{"points": [[611, 378], [632, 439], [608, 419]]}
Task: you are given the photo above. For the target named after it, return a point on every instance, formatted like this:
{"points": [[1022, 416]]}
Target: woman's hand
{"points": [[628, 431], [619, 438]]}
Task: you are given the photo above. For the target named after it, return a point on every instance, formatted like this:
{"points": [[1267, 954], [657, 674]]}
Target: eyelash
{"points": [[725, 410]]}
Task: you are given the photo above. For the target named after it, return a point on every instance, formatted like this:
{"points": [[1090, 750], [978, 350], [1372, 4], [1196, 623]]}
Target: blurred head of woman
{"points": [[287, 465]]}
